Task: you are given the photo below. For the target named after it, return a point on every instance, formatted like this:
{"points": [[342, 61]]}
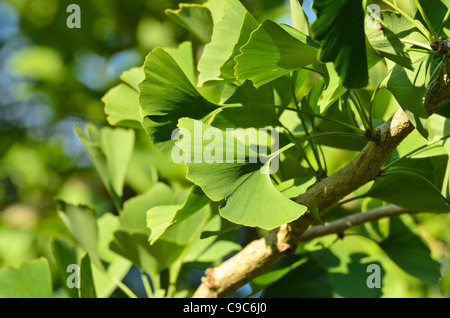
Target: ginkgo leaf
{"points": [[195, 18], [387, 44], [87, 287], [30, 280], [122, 101], [253, 101], [150, 258], [161, 218], [231, 32], [82, 224], [408, 88], [133, 215], [273, 51], [122, 107], [299, 18], [250, 197], [340, 27], [110, 152], [166, 95], [405, 248]]}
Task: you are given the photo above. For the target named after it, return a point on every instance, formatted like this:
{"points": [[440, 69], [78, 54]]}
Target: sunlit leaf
{"points": [[166, 95], [250, 195], [387, 44], [229, 35], [299, 18], [273, 51], [30, 280]]}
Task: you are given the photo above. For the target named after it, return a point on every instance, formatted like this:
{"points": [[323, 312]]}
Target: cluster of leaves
{"points": [[325, 86]]}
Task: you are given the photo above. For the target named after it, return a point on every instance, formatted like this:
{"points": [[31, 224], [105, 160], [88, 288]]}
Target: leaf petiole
{"points": [[385, 168], [306, 138], [435, 36]]}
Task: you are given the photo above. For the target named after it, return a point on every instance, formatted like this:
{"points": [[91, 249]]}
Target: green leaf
{"points": [[226, 227], [110, 151], [340, 27], [217, 251], [230, 34], [294, 187], [409, 191], [435, 11], [315, 211], [299, 18], [440, 128], [65, 254], [133, 217], [107, 224], [82, 224], [409, 252], [166, 95], [273, 51], [333, 91], [210, 249], [251, 198], [161, 218], [87, 288], [150, 258], [253, 107], [106, 282], [387, 44], [122, 107], [308, 280], [402, 27], [30, 280], [183, 55], [350, 278], [194, 18], [122, 101], [183, 233], [341, 112], [133, 77], [408, 88]]}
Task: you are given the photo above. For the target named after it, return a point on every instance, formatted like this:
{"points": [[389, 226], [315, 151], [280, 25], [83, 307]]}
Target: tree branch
{"points": [[341, 225], [260, 255]]}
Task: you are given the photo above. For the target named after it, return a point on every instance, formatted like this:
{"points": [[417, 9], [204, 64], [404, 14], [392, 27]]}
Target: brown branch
{"points": [[260, 255], [341, 225]]}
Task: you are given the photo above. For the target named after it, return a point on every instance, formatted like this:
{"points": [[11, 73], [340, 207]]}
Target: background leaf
{"points": [[406, 249], [30, 280], [87, 287], [110, 152]]}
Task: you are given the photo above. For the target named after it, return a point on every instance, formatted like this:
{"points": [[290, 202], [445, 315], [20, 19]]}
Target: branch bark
{"points": [[341, 225], [260, 255]]}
